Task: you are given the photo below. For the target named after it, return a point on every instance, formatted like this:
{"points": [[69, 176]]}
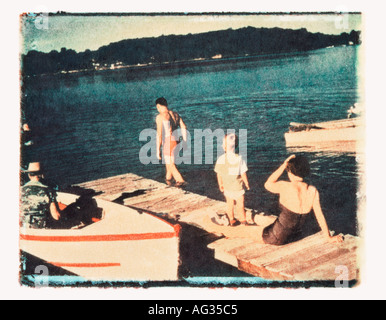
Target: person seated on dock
{"points": [[168, 122], [39, 207], [297, 200], [232, 177], [41, 210]]}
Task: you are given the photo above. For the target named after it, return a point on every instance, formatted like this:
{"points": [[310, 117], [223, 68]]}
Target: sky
{"points": [[46, 33]]}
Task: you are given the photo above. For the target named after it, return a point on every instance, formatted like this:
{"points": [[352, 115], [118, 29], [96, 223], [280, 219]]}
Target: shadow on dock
{"points": [[197, 260], [128, 195]]}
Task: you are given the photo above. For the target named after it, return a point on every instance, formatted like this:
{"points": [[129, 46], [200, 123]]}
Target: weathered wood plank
{"points": [[151, 195], [162, 203], [123, 181], [112, 186], [185, 200], [260, 271], [106, 181], [197, 214], [177, 204], [331, 269], [309, 259], [183, 208], [269, 254]]}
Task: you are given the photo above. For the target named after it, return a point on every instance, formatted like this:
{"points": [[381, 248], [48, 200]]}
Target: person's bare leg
{"points": [[230, 209], [240, 209], [259, 235], [260, 231], [169, 174], [176, 174]]}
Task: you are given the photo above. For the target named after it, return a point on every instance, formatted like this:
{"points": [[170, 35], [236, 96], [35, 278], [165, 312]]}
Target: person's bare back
{"points": [[298, 197]]}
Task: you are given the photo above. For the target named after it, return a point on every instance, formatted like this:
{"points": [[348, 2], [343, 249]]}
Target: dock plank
{"points": [[152, 195], [320, 256], [122, 182], [271, 254], [197, 214], [187, 208], [310, 258], [163, 203], [104, 183], [331, 269]]}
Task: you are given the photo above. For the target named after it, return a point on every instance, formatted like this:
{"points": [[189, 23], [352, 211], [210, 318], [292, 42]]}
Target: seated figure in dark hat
{"points": [[39, 207]]}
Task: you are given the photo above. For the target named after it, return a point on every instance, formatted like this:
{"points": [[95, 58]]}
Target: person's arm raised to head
{"points": [[272, 184], [322, 220]]}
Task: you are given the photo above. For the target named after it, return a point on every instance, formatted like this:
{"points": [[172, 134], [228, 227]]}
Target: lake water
{"points": [[88, 125]]}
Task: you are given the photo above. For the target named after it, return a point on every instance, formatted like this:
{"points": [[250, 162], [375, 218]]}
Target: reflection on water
{"points": [[89, 124]]}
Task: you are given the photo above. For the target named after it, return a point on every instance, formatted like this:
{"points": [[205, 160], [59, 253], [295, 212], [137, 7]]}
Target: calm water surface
{"points": [[88, 125]]}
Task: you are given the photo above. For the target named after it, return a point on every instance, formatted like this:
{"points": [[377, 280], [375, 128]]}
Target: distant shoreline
{"points": [[179, 64]]}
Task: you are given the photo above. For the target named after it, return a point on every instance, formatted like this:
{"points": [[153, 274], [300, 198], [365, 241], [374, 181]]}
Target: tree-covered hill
{"points": [[227, 43]]}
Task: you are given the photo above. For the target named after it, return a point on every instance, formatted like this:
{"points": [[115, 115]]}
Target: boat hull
{"points": [[124, 246], [332, 136]]}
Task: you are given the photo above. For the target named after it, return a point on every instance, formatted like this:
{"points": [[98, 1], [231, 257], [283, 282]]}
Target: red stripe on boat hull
{"points": [[99, 238], [85, 265]]}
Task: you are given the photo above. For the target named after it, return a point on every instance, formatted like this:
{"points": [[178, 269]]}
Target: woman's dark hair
{"points": [[162, 102], [299, 167]]}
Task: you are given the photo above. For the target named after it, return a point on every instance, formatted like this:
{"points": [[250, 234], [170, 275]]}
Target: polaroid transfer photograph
{"points": [[205, 150]]}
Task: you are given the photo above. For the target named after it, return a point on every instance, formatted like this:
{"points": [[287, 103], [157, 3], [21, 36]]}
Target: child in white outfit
{"points": [[232, 178]]}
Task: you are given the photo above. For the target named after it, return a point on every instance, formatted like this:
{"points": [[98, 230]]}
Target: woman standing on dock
{"points": [[168, 122], [297, 200]]}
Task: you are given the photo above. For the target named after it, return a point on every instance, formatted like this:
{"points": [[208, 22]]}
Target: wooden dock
{"points": [[307, 260]]}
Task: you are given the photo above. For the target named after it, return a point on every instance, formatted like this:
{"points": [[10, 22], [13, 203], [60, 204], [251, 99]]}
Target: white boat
{"points": [[124, 246], [340, 135]]}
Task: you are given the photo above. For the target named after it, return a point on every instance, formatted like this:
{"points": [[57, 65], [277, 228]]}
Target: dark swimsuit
{"points": [[170, 143], [285, 228]]}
